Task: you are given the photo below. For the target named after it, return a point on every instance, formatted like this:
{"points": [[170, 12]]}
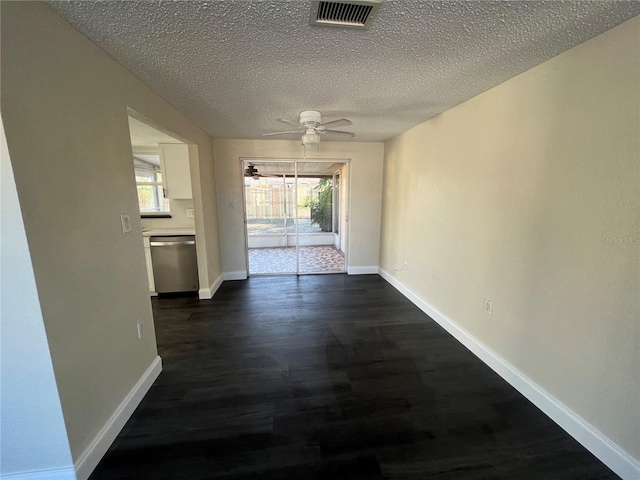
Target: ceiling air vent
{"points": [[343, 13]]}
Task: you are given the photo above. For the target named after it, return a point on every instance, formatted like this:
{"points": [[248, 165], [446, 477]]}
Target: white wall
{"points": [[178, 209], [33, 435], [528, 195], [365, 184], [64, 103]]}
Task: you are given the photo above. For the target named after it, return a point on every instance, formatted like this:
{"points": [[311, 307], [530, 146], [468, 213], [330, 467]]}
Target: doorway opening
{"points": [[161, 167], [295, 216]]}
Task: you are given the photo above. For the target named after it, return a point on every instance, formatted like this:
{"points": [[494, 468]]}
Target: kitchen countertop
{"points": [[167, 231]]}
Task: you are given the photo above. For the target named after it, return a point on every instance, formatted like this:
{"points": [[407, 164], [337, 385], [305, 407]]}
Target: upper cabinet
{"points": [[176, 174]]}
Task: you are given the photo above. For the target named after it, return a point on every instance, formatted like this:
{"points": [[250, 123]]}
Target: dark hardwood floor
{"points": [[329, 377]]}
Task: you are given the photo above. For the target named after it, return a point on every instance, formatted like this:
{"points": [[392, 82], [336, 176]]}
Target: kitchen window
{"points": [[150, 189]]}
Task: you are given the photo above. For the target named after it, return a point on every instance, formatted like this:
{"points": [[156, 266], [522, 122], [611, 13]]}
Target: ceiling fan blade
{"points": [[289, 132], [342, 122], [289, 122], [337, 132]]}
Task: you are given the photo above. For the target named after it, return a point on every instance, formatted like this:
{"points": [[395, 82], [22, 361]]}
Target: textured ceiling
{"points": [[234, 67]]}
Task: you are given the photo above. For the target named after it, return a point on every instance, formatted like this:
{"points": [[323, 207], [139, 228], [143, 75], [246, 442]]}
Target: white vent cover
{"points": [[343, 13]]}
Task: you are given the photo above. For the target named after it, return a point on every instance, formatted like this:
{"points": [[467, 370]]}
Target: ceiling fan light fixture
{"points": [[310, 139]]}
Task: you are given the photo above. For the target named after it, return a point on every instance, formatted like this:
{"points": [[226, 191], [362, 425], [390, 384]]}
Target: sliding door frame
{"points": [[345, 204]]}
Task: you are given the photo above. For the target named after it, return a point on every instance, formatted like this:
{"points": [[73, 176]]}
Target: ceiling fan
{"points": [[311, 127], [252, 171]]}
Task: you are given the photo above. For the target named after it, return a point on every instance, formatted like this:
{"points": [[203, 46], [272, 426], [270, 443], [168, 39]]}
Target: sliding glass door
{"points": [[293, 217]]}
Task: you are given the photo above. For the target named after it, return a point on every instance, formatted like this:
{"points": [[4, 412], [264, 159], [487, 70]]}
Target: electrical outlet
{"points": [[125, 220], [190, 212], [140, 329], [488, 306]]}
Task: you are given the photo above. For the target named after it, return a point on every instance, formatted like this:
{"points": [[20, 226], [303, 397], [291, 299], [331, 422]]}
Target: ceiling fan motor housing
{"points": [[310, 118]]}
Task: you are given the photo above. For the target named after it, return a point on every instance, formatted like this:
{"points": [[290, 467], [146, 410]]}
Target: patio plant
{"points": [[321, 206]]}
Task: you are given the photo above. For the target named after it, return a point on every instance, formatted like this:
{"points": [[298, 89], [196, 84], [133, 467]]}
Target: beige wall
{"points": [[528, 195], [64, 103], [178, 209], [365, 185]]}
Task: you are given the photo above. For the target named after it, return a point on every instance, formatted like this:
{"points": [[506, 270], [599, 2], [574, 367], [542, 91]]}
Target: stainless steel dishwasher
{"points": [[175, 266]]}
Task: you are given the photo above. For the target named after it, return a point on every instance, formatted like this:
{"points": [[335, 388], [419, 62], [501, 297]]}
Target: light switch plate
{"points": [[125, 219], [140, 326]]}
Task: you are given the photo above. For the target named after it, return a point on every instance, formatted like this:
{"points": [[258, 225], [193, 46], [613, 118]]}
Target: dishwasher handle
{"points": [[169, 244]]}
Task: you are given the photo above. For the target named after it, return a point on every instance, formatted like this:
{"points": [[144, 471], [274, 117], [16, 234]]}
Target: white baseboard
{"points": [[618, 460], [67, 473], [362, 270], [239, 275], [208, 293], [92, 455]]}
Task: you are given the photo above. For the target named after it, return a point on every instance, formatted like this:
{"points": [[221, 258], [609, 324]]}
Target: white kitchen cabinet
{"points": [[176, 174]]}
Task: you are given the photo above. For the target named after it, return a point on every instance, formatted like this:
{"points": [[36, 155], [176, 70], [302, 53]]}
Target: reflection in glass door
{"points": [[294, 216]]}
